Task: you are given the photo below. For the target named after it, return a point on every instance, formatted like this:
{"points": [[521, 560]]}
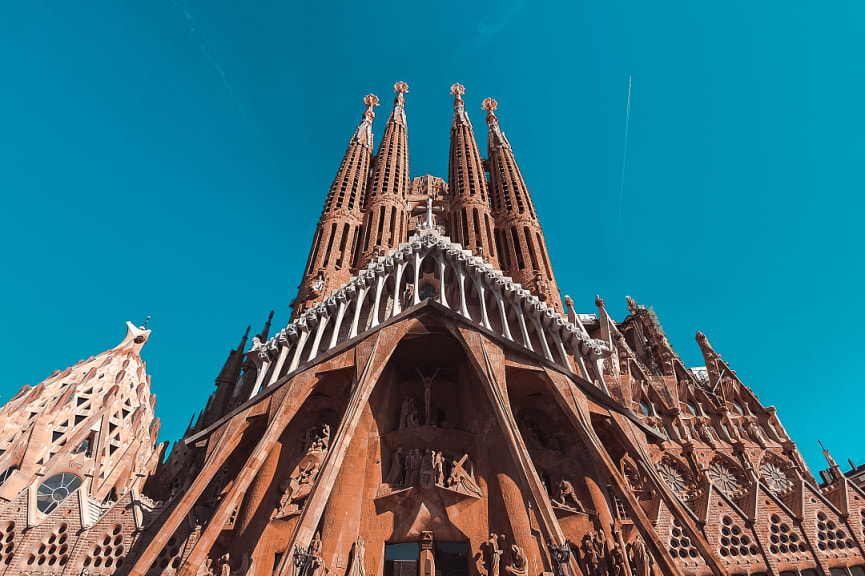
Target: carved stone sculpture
{"points": [[396, 474], [225, 565], [296, 487], [518, 565], [461, 478], [357, 559], [617, 561], [568, 497], [495, 554], [641, 560]]}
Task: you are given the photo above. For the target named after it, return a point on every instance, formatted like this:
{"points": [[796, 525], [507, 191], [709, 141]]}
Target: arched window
{"points": [[55, 490]]}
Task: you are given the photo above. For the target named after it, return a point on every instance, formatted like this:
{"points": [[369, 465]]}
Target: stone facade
{"points": [[440, 411]]}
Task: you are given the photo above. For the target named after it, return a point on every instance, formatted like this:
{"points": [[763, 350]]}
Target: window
{"points": [[55, 490], [5, 476], [692, 408], [644, 406], [738, 406], [837, 572], [401, 559], [451, 559]]}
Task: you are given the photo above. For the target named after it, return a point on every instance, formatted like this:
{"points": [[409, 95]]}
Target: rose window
{"points": [[55, 490], [723, 478], [774, 477], [673, 477]]}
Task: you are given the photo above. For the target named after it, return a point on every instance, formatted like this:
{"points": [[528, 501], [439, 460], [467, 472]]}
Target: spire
{"points": [[363, 134], [497, 137], [471, 221], [460, 116], [398, 114], [519, 238], [385, 224], [336, 237], [834, 469], [266, 331], [243, 340]]}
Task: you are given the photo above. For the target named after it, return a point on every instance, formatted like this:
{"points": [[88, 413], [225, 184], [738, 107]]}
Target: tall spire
{"points": [[519, 238], [336, 237], [471, 222], [385, 220]]}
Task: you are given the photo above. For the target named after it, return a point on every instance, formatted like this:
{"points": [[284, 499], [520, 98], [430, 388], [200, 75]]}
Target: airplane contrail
{"points": [[624, 160]]}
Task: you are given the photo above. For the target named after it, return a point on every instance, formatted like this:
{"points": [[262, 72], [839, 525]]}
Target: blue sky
{"points": [[170, 158]]}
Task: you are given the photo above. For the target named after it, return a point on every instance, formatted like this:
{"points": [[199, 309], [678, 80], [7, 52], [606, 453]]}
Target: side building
{"points": [[76, 450]]}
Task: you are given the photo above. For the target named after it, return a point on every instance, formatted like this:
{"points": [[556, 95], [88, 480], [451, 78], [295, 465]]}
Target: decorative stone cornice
{"points": [[368, 299]]}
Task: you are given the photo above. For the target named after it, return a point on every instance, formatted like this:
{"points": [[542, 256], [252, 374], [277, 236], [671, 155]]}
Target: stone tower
{"points": [[520, 239], [336, 237], [385, 206], [76, 450], [431, 416], [471, 222]]}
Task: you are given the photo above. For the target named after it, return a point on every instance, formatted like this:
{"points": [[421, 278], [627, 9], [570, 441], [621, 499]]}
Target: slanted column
{"points": [[340, 314]]}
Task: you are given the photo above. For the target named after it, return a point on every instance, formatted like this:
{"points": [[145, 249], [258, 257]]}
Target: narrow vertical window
{"points": [[531, 248], [518, 249]]}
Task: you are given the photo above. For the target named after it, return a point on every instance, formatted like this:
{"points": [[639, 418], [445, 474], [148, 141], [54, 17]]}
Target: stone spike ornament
{"points": [[425, 396]]}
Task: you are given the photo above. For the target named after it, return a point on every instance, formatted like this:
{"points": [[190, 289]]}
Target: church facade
{"points": [[434, 407]]}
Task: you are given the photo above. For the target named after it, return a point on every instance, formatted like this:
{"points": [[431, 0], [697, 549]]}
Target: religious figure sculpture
{"points": [[641, 560], [225, 565], [617, 561], [357, 560], [518, 565], [396, 473], [568, 497], [439, 468], [495, 554], [427, 394], [297, 486], [408, 414], [412, 467], [461, 479], [590, 556]]}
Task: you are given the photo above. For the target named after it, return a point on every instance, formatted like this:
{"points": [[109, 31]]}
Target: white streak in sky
{"points": [[208, 54], [624, 160]]}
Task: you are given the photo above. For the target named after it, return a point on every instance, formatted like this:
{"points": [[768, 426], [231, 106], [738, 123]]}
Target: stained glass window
{"points": [[55, 490]]}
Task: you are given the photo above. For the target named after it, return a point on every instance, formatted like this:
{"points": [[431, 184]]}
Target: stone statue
{"points": [[297, 486], [439, 468], [225, 565], [316, 562], [462, 480], [590, 556], [518, 565], [708, 434], [412, 467], [641, 560], [408, 414], [617, 561], [397, 472], [757, 434], [495, 554], [203, 570], [427, 474], [427, 393], [357, 560], [568, 496]]}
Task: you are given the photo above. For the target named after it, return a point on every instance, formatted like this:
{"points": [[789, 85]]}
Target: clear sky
{"points": [[170, 158]]}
